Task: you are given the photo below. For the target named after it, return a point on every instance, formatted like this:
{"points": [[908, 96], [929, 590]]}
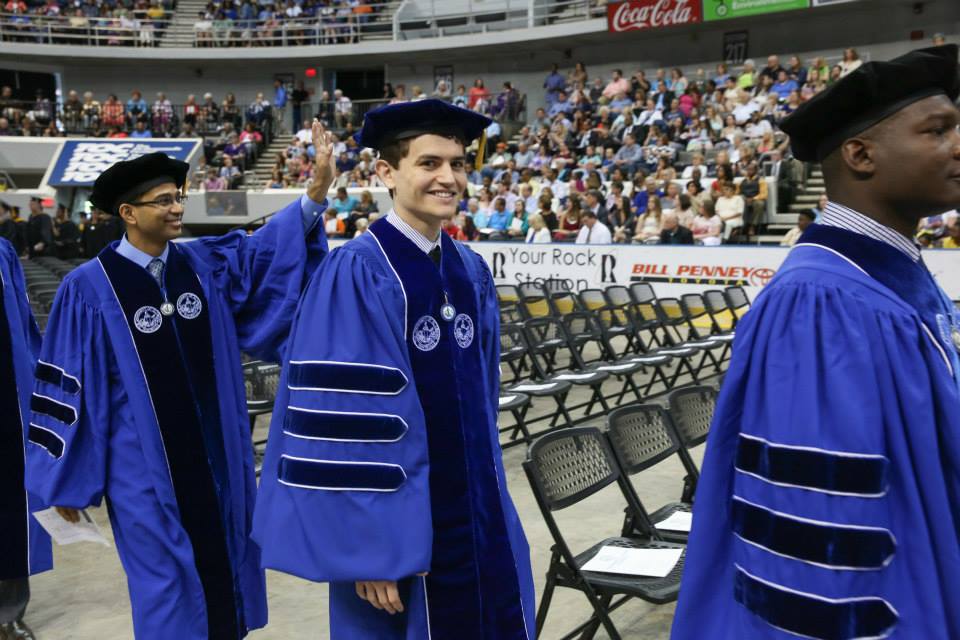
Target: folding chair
{"points": [[724, 320], [547, 338], [691, 412], [564, 468], [641, 437], [513, 350], [737, 301], [702, 326], [534, 301], [261, 380], [613, 322], [673, 316], [508, 299], [516, 404]]}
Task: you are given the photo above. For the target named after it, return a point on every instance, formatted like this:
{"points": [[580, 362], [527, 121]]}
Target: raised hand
{"points": [[324, 168]]}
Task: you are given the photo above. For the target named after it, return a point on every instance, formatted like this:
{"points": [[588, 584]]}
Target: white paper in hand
{"points": [[64, 532], [655, 563], [678, 521]]}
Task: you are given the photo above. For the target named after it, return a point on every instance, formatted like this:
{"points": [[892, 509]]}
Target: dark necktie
{"points": [[435, 256], [156, 270]]}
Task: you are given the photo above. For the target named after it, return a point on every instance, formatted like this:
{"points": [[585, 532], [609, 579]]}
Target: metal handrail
{"points": [[387, 20]]}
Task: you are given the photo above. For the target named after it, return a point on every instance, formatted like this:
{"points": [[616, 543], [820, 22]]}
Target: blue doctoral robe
{"points": [[148, 411], [24, 545], [383, 460], [829, 504]]}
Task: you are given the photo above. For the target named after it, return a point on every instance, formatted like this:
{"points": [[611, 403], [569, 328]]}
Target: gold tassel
{"points": [[481, 148]]}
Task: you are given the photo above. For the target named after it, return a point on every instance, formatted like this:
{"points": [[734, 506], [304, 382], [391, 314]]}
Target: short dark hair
{"points": [[808, 213], [396, 150]]}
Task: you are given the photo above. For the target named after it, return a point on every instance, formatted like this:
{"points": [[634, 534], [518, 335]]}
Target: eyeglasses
{"points": [[164, 202]]}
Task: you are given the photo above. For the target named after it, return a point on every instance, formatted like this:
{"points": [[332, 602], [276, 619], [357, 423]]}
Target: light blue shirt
{"points": [[139, 257]]}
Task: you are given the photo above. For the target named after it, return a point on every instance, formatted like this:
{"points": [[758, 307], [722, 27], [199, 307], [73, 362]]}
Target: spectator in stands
{"points": [[851, 60], [6, 129], [477, 93], [796, 71], [593, 202], [773, 68], [259, 110], [730, 207], [821, 206], [230, 172], [343, 109], [747, 77], [553, 84], [707, 227], [537, 233], [630, 156], [672, 232], [649, 224], [753, 189], [517, 228], [671, 194], [140, 130], [214, 181], [593, 231], [90, 112], [344, 203], [804, 220], [784, 85], [333, 224], [617, 85]]}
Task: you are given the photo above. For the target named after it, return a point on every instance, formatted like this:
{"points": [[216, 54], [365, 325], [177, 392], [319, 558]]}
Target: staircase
{"points": [[806, 199], [264, 166], [179, 32]]}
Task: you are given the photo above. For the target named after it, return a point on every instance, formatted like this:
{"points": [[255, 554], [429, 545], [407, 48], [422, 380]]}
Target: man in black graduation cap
{"points": [[383, 473], [139, 393], [829, 503]]}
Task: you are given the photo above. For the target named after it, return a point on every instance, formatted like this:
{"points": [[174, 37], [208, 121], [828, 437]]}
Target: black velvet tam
{"points": [[393, 122], [130, 178]]}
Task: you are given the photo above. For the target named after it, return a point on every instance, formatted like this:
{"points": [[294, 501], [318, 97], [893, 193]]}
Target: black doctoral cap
{"points": [[868, 94], [128, 179], [403, 120]]}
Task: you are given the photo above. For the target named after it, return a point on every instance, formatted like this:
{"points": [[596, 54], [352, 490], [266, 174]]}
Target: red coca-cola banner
{"points": [[652, 14]]}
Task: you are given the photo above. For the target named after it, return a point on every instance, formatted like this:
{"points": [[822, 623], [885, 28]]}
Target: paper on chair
{"points": [[655, 563], [64, 532], [505, 399], [678, 521], [533, 387]]}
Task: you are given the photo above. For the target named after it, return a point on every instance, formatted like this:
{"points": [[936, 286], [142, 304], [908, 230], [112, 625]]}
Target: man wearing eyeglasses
{"points": [[139, 394]]}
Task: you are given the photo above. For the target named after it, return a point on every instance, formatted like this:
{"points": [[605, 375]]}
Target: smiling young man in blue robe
{"points": [[139, 396], [24, 546], [383, 474], [829, 504]]}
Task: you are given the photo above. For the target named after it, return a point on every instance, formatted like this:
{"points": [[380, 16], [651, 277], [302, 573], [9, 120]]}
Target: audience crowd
{"points": [[86, 22]]}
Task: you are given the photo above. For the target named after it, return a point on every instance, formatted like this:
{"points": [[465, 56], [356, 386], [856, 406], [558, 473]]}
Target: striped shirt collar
{"points": [[837, 215], [423, 243]]}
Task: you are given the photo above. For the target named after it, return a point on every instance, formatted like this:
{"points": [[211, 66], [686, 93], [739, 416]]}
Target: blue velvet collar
{"points": [[910, 281]]}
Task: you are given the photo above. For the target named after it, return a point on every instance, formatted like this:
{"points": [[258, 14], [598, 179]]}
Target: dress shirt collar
{"points": [[130, 252], [423, 243], [837, 215]]}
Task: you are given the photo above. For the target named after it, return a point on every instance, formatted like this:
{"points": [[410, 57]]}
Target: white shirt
{"points": [[837, 215], [599, 233], [538, 237]]}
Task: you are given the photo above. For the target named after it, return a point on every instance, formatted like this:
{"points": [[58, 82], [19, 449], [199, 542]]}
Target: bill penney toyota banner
{"points": [[651, 14], [80, 161], [726, 9]]}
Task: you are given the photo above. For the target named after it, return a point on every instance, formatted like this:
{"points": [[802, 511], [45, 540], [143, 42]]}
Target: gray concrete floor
{"points": [[85, 596]]}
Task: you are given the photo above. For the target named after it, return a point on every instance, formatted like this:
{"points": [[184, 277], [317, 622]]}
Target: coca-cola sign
{"points": [[652, 14]]}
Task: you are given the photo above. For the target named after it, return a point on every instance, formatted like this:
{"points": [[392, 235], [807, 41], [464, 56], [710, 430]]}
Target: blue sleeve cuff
{"points": [[311, 211]]}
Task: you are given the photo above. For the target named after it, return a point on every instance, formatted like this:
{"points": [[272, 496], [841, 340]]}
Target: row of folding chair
{"points": [[568, 466], [565, 340], [261, 380]]}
